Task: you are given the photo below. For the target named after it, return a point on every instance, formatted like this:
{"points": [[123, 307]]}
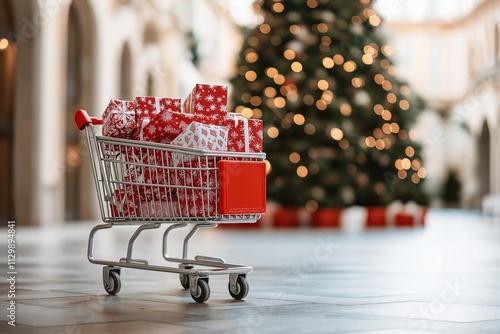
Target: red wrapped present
{"points": [[196, 188], [244, 135], [200, 136], [159, 209], [124, 203], [207, 100], [165, 127], [149, 106], [119, 119], [148, 171]]}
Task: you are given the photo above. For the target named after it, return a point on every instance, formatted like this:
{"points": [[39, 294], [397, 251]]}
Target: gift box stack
{"points": [[165, 184]]}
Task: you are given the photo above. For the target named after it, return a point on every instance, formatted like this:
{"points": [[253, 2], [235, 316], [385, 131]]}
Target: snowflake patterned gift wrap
{"points": [[245, 135], [166, 126], [125, 203], [207, 100], [196, 189], [119, 119], [201, 136], [198, 175], [149, 106]]}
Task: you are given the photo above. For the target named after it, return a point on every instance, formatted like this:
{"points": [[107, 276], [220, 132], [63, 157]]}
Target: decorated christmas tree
{"points": [[336, 117]]}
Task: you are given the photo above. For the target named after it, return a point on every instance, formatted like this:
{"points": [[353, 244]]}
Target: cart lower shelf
{"points": [[195, 279]]}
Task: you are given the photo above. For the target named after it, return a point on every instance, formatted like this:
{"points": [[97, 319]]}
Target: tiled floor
{"points": [[441, 279]]}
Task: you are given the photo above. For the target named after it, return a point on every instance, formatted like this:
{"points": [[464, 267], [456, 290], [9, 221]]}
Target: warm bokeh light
{"points": [[265, 28], [367, 59], [391, 97], [295, 29], [336, 134], [273, 132], [379, 78], [279, 79], [322, 28], [294, 157], [278, 7], [404, 105], [302, 171], [299, 119], [357, 82], [312, 205], [323, 84], [4, 43], [296, 66], [251, 75], [338, 59], [309, 129], [328, 62], [279, 102], [271, 72], [289, 54], [345, 109], [350, 66], [251, 57], [268, 167]]}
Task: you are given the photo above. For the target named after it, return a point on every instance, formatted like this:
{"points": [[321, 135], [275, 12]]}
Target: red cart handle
{"points": [[83, 119]]}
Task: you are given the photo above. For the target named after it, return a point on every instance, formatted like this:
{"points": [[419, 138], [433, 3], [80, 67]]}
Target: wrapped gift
{"points": [[147, 107], [124, 203], [119, 119], [207, 100], [200, 136], [159, 209], [196, 188], [165, 127], [148, 171], [244, 135]]}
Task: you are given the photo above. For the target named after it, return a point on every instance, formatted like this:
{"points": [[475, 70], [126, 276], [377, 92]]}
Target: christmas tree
{"points": [[336, 117]]}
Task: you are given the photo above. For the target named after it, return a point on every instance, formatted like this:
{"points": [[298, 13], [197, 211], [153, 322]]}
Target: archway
{"points": [[126, 74], [7, 96], [80, 68], [484, 163]]}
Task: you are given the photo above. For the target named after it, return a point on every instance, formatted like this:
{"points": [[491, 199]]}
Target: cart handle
{"points": [[83, 119]]}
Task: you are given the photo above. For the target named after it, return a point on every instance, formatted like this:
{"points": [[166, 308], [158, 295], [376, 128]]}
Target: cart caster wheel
{"points": [[185, 278], [114, 285], [202, 291], [240, 290]]}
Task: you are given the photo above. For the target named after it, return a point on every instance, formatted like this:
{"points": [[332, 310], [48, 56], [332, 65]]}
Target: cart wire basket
{"points": [[149, 184]]}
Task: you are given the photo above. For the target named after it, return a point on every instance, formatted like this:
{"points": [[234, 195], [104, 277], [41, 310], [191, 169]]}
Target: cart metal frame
{"points": [[109, 163]]}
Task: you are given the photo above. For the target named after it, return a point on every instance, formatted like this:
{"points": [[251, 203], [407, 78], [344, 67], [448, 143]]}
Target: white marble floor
{"points": [[444, 278]]}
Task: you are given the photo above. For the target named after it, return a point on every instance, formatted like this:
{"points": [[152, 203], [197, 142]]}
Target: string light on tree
{"points": [[336, 117]]}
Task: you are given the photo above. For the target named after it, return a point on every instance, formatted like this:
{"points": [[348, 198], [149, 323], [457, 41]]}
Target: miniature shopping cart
{"points": [[148, 184]]}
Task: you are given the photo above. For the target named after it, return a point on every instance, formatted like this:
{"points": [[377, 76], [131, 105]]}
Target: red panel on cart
{"points": [[242, 186]]}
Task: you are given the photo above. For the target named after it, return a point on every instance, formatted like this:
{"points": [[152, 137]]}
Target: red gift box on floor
{"points": [[119, 119], [124, 203], [196, 188], [244, 135], [207, 100]]}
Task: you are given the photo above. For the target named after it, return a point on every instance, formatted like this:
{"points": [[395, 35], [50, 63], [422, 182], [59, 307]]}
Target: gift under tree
{"points": [[336, 116]]}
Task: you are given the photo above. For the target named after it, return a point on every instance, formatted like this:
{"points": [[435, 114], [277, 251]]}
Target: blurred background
{"points": [[428, 72]]}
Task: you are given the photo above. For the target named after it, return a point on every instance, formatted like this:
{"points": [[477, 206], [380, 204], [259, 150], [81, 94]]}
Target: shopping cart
{"points": [[148, 184]]}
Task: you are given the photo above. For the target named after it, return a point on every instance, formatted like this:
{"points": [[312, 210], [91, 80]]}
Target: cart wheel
{"points": [[115, 283], [241, 289], [202, 291], [184, 281], [185, 278]]}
